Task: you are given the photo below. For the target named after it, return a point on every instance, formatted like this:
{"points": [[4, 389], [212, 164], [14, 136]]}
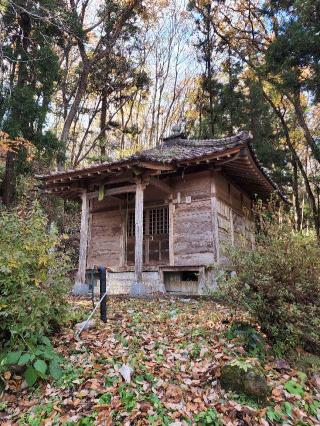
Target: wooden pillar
{"points": [[123, 244], [231, 225], [139, 232], [171, 231], [81, 275]]}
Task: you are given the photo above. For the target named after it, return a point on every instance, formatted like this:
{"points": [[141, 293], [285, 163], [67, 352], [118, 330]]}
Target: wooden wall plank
{"points": [[105, 243], [192, 234], [214, 217], [215, 227]]}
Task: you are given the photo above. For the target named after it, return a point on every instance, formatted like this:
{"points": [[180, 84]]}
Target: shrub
{"points": [[253, 342], [38, 360], [33, 278], [279, 284], [209, 417]]}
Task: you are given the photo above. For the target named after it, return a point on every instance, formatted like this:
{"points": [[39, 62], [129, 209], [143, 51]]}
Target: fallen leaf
{"points": [[126, 372]]}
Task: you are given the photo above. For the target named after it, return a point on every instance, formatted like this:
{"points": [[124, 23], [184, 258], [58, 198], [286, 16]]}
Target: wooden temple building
{"points": [[162, 217]]}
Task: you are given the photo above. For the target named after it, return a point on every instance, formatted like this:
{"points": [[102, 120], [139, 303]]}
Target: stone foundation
{"points": [[124, 283], [155, 282]]}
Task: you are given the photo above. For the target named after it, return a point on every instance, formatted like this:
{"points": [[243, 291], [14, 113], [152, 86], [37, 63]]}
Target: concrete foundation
{"points": [[161, 281]]}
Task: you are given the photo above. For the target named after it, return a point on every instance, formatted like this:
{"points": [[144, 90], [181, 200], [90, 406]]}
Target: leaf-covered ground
{"points": [[176, 348]]}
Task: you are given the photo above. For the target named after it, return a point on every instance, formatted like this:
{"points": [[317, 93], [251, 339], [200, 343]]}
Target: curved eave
{"points": [[265, 173], [240, 163]]}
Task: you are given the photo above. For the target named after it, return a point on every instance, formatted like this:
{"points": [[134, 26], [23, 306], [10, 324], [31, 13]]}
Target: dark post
{"points": [[103, 286]]}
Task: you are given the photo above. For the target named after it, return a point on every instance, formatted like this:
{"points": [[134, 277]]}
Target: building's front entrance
{"points": [[155, 236]]}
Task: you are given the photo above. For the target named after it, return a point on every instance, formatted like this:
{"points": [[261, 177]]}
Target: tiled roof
{"points": [[181, 149], [173, 149], [178, 152]]}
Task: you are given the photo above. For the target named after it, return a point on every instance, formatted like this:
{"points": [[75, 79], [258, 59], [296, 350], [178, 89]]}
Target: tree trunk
{"points": [[230, 83], [209, 68], [296, 158], [295, 187], [103, 120], [303, 124], [9, 181], [72, 113]]}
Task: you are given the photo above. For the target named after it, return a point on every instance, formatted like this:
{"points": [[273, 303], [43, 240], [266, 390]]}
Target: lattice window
{"points": [[155, 222], [159, 221], [131, 229], [130, 224]]}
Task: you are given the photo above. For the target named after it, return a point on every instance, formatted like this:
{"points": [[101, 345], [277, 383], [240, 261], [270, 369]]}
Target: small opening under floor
{"points": [[181, 282]]}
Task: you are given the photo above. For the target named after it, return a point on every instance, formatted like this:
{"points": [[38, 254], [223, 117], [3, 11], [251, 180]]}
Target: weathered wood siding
{"points": [[224, 225], [236, 225], [192, 227], [106, 239]]}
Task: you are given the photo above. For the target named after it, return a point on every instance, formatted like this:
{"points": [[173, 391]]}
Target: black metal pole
{"points": [[103, 287]]}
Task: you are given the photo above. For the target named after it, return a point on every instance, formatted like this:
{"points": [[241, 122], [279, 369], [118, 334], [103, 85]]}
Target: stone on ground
{"points": [[90, 324], [250, 381]]}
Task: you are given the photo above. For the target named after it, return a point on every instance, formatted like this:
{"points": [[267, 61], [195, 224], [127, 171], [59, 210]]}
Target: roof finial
{"points": [[176, 129]]}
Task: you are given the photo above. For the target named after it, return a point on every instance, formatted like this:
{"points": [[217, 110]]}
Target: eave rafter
{"points": [[159, 184], [233, 156]]}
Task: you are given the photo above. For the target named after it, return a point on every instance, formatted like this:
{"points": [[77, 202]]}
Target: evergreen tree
{"points": [[30, 71], [229, 99]]}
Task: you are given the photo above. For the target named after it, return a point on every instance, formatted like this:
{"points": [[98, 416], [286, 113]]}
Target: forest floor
{"points": [[176, 349]]}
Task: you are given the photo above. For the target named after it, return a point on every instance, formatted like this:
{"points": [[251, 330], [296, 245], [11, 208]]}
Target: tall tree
{"points": [[95, 43], [30, 71], [278, 41]]}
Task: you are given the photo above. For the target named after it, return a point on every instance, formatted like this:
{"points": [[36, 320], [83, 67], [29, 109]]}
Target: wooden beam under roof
{"points": [[160, 185], [157, 166], [218, 156], [113, 191]]}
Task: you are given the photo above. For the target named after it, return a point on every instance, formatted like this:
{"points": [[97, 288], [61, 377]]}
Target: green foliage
{"points": [[33, 276], [38, 414], [305, 361], [196, 349], [70, 378], [275, 416], [208, 417], [279, 284], [39, 360], [128, 398], [111, 380], [294, 387], [296, 46], [244, 399], [281, 415], [314, 408], [253, 342], [3, 405], [148, 377], [160, 416], [33, 281], [105, 398], [243, 363], [88, 420]]}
